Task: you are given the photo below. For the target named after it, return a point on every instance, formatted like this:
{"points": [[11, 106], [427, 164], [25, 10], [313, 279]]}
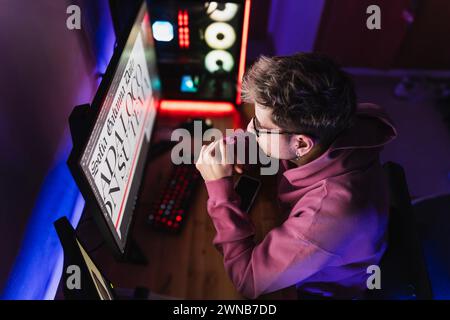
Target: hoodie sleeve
{"points": [[282, 259]]}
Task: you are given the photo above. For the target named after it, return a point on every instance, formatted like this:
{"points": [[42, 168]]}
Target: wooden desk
{"points": [[186, 265]]}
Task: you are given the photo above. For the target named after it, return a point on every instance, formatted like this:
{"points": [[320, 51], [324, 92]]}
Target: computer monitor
{"points": [[81, 278], [109, 162]]}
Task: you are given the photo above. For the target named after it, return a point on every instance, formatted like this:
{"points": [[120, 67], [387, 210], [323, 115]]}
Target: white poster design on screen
{"points": [[113, 159]]}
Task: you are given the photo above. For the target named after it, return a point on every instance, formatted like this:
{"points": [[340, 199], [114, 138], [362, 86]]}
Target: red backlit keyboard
{"points": [[169, 212]]}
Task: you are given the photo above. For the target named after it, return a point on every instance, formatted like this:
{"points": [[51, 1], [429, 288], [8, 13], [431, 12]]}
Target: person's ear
{"points": [[304, 145]]}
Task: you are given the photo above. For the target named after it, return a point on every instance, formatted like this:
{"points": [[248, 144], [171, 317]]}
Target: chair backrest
{"points": [[403, 269], [433, 228]]}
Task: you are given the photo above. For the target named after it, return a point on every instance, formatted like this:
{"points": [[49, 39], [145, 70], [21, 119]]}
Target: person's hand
{"points": [[212, 162]]}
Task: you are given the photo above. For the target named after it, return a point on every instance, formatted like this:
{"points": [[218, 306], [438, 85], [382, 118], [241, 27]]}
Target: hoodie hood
{"points": [[372, 129], [355, 148]]}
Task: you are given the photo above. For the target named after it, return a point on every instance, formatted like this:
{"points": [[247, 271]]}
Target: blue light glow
{"points": [[35, 275], [188, 84]]}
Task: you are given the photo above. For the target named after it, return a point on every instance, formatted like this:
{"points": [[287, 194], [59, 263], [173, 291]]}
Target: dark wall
{"points": [[343, 33], [293, 24], [44, 74], [413, 34], [259, 39], [426, 44]]}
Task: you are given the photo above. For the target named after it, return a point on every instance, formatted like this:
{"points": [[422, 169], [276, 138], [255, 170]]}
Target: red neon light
{"points": [[186, 18], [183, 29], [243, 50], [206, 107]]}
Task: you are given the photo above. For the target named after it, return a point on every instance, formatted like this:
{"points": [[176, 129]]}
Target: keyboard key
{"points": [[169, 211]]}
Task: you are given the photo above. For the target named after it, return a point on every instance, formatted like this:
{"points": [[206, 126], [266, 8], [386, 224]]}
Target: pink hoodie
{"points": [[337, 223]]}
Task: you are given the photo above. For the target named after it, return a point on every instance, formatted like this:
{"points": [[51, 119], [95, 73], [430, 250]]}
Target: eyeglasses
{"points": [[259, 130]]}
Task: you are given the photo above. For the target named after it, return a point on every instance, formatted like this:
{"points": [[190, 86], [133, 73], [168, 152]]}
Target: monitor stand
{"points": [[134, 254]]}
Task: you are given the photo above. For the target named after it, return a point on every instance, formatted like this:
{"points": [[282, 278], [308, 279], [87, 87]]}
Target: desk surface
{"points": [[186, 265]]}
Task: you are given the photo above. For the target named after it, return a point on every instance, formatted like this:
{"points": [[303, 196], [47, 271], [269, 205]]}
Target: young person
{"points": [[330, 180]]}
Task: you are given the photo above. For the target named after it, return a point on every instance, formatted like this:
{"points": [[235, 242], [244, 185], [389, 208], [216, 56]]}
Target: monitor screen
{"points": [[113, 159]]}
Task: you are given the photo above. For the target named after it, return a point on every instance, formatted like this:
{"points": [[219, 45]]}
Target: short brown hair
{"points": [[307, 92]]}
